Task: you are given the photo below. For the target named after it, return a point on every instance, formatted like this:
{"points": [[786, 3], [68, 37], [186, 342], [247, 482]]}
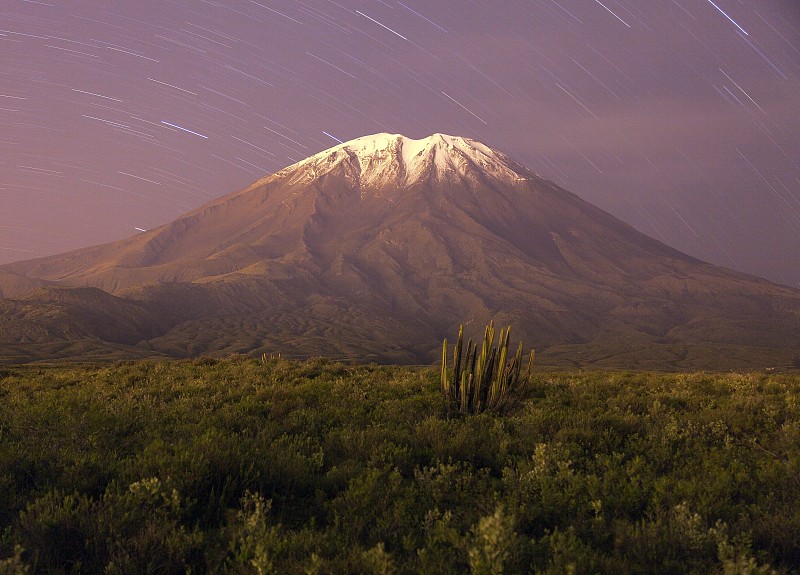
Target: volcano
{"points": [[378, 248]]}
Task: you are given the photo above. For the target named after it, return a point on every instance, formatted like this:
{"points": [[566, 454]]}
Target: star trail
{"points": [[682, 117]]}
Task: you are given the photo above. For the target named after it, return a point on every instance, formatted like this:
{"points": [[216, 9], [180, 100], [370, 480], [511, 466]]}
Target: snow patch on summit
{"points": [[393, 159]]}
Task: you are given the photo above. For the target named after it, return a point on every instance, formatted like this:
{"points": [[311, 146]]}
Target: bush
{"points": [[54, 529]]}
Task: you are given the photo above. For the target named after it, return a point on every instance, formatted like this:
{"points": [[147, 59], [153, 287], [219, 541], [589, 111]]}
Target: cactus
{"points": [[483, 380]]}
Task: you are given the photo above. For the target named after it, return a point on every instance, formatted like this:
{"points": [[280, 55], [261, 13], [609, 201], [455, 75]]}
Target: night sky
{"points": [[682, 117]]}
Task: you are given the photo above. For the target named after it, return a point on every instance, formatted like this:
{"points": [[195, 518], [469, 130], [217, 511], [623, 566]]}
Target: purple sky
{"points": [[682, 117]]}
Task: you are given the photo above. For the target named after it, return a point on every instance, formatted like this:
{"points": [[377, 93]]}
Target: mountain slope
{"points": [[379, 247]]}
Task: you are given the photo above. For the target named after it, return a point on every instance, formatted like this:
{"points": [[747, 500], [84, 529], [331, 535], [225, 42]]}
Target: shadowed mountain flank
{"points": [[377, 248]]}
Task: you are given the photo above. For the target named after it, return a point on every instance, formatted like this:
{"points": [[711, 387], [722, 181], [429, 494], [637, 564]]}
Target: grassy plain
{"points": [[246, 466]]}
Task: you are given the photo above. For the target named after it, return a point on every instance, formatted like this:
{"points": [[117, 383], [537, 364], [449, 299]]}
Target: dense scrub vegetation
{"points": [[241, 466]]}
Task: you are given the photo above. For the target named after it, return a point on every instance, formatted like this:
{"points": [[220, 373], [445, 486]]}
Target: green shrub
{"points": [[14, 565], [141, 529], [491, 544], [54, 529]]}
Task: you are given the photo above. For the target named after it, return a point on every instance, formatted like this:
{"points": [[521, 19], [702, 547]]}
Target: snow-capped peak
{"points": [[398, 160]]}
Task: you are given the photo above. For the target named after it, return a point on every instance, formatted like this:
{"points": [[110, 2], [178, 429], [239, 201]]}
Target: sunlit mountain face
{"points": [[379, 247]]}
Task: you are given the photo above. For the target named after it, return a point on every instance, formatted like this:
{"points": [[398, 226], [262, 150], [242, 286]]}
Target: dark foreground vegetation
{"points": [[242, 466]]}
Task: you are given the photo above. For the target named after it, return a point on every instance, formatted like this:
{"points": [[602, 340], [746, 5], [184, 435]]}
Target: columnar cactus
{"points": [[485, 380]]}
